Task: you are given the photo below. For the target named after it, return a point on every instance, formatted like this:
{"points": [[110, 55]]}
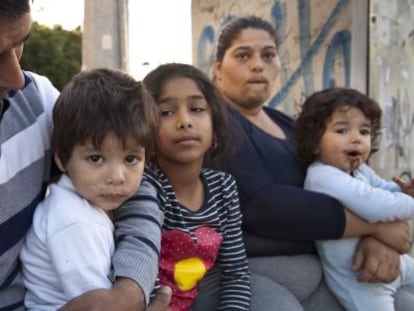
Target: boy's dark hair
{"points": [[233, 28], [12, 9], [97, 102], [318, 109], [155, 80]]}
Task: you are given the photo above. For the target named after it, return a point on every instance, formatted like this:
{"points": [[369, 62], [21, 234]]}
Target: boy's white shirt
{"points": [[70, 244]]}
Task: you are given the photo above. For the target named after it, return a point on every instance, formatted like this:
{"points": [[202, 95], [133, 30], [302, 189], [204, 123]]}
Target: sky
{"points": [[159, 30], [68, 14]]}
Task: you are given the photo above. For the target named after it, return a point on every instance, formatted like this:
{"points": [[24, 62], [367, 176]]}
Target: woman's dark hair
{"points": [[155, 80], [232, 30], [100, 101], [14, 8], [318, 109]]}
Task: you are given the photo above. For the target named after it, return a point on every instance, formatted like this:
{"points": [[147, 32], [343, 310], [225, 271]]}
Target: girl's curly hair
{"points": [[318, 109]]}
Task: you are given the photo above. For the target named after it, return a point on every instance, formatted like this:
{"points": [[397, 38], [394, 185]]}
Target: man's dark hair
{"points": [[14, 8]]}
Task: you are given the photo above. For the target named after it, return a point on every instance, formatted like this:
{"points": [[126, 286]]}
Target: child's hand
{"points": [[407, 187]]}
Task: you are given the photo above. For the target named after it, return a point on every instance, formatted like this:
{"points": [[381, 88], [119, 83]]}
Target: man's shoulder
{"points": [[41, 83], [38, 95]]}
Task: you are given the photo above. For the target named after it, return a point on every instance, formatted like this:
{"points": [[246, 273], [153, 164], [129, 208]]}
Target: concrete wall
{"points": [[391, 80]]}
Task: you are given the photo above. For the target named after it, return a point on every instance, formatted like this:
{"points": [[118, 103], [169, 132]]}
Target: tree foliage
{"points": [[53, 52]]}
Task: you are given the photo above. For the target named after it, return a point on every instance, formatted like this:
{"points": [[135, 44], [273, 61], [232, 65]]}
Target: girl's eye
{"points": [[131, 160], [198, 109], [166, 109], [166, 113], [95, 159]]}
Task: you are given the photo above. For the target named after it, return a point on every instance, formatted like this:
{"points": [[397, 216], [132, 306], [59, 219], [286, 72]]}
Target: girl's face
{"points": [[186, 131], [107, 176], [249, 68], [346, 143]]}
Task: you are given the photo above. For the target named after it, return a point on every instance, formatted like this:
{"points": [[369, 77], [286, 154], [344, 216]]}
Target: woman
{"points": [[281, 219]]}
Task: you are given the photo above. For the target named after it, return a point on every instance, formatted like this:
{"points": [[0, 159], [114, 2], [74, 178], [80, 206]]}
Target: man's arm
{"points": [[138, 238], [126, 295]]}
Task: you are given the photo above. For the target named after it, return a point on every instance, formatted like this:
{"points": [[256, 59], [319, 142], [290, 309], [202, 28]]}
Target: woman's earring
{"points": [[214, 144]]}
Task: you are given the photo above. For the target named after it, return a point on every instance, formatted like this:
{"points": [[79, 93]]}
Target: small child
{"points": [[202, 219], [336, 133], [104, 125]]}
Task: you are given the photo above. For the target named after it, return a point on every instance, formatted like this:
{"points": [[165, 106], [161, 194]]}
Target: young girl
{"points": [[202, 224], [336, 133]]}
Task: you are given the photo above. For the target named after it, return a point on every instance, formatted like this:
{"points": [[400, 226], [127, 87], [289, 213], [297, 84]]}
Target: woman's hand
{"points": [[375, 261], [396, 234]]}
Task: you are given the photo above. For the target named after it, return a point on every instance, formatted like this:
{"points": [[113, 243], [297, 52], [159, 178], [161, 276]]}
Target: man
{"points": [[26, 103]]}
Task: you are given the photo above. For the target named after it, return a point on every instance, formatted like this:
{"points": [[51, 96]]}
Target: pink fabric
{"points": [[177, 246]]}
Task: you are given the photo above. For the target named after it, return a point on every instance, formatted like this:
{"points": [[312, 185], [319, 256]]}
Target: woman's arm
{"points": [[376, 262], [395, 234], [294, 214]]}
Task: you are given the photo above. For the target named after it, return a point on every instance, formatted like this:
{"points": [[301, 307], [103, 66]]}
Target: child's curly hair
{"points": [[318, 109]]}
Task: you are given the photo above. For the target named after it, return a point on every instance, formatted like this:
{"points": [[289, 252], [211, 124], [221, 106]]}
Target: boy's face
{"points": [[346, 143], [107, 176], [186, 130]]}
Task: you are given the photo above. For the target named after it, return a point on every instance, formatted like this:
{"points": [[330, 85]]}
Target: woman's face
{"points": [[249, 68]]}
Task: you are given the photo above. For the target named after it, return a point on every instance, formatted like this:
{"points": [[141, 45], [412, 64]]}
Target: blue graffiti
{"points": [[304, 41], [311, 51], [278, 14], [207, 42], [341, 43], [205, 61]]}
